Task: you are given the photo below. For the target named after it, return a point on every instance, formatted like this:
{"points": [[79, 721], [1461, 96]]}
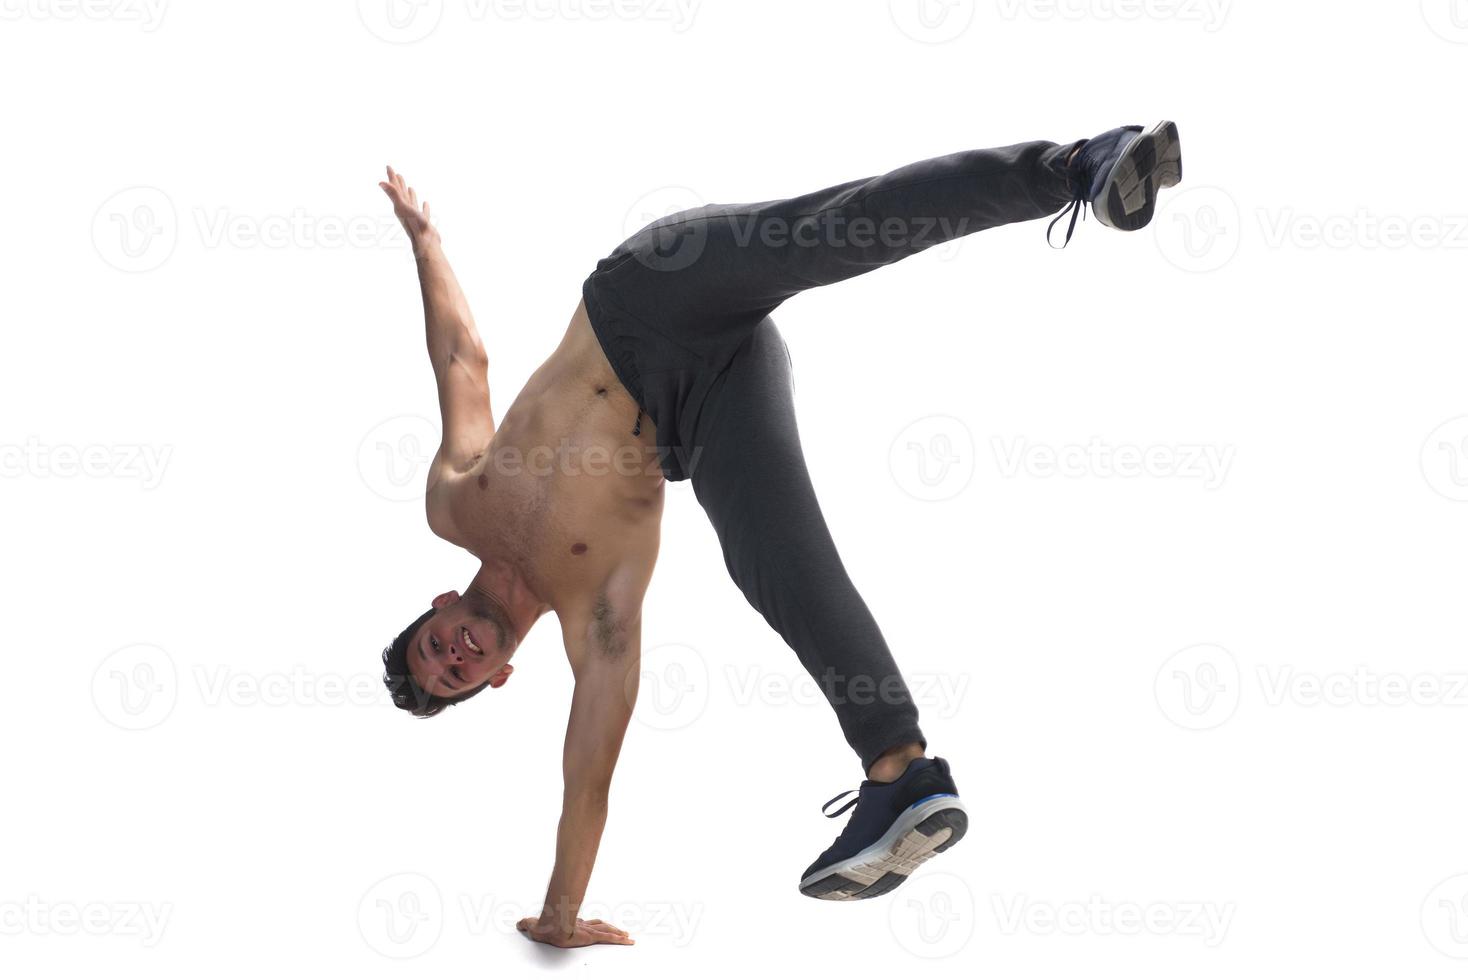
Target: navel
{"points": [[483, 481], [578, 548]]}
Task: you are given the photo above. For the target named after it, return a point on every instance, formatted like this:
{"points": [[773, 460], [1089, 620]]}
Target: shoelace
{"points": [[1076, 209], [849, 803]]}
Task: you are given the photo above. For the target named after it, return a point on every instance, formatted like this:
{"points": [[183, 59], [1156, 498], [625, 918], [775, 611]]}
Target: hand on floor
{"points": [[588, 932]]}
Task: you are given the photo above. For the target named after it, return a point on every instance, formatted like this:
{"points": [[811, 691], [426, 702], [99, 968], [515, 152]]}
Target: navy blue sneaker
{"points": [[896, 827], [1120, 172]]}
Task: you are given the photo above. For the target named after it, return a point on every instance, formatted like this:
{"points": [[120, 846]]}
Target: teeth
{"points": [[469, 641]]}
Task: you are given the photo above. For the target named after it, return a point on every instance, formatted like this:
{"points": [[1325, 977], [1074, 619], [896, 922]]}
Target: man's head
{"points": [[450, 653]]}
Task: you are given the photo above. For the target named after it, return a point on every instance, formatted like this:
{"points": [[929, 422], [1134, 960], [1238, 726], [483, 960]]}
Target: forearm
{"points": [[583, 816], [450, 326]]}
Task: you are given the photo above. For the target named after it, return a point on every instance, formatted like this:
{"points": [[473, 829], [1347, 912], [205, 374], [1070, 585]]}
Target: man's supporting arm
{"points": [[605, 656]]}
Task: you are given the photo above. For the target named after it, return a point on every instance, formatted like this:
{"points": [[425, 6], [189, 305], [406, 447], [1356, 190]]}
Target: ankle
{"points": [[893, 763]]}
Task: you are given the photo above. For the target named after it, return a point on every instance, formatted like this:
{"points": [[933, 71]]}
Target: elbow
{"points": [[589, 795], [472, 358]]}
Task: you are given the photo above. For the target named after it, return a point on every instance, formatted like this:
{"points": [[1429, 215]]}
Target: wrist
{"points": [[559, 912], [553, 926], [425, 243]]}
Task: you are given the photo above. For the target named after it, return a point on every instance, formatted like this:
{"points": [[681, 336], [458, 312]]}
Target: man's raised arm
{"points": [[459, 362]]}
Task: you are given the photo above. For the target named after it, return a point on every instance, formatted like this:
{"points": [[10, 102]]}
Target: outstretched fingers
{"points": [[398, 189], [607, 933]]}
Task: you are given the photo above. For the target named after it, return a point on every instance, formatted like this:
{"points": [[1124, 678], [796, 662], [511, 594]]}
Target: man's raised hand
{"points": [[415, 219]]}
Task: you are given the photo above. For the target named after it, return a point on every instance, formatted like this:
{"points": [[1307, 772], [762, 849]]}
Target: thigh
{"points": [[750, 477], [694, 277]]}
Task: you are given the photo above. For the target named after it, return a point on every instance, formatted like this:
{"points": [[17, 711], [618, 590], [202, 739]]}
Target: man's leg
{"points": [[704, 275], [752, 481], [710, 268]]}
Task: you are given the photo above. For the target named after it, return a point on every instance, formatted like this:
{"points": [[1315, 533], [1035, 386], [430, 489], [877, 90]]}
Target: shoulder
{"points": [[446, 487]]}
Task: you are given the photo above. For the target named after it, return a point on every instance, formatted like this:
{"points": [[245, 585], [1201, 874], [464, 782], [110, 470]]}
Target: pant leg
{"points": [[705, 275], [752, 481], [673, 303]]}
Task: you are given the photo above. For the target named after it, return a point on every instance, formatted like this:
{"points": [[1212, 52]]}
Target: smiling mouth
{"points": [[469, 640]]}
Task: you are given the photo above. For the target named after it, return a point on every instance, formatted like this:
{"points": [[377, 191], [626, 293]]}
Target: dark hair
{"points": [[406, 692]]}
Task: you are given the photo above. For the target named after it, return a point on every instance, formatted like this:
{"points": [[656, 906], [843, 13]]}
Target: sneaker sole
{"points": [[926, 828], [1152, 161]]}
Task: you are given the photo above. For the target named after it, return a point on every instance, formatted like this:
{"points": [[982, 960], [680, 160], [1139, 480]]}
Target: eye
{"points": [[433, 642]]}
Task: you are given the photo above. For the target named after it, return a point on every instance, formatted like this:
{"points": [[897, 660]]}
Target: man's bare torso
{"points": [[565, 493]]}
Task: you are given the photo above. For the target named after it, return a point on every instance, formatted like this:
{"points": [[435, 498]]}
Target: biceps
{"points": [[601, 709], [463, 401]]}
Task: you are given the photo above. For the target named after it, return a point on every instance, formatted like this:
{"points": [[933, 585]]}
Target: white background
{"points": [[1206, 724]]}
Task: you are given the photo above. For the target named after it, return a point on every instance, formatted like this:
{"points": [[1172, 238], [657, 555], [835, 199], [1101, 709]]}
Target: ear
{"points": [[447, 599], [498, 678]]}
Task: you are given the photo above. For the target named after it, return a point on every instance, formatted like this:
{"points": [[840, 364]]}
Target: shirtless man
{"points": [[671, 370]]}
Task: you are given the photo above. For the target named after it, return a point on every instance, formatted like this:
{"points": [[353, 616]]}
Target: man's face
{"points": [[458, 649]]}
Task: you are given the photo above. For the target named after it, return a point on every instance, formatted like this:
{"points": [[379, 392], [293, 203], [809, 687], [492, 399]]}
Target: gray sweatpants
{"points": [[682, 310]]}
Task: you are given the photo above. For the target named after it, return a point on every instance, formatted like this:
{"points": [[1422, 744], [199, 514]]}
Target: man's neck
{"points": [[503, 585]]}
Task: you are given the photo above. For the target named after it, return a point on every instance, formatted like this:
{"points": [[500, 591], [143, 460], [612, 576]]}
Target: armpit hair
{"points": [[608, 630]]}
